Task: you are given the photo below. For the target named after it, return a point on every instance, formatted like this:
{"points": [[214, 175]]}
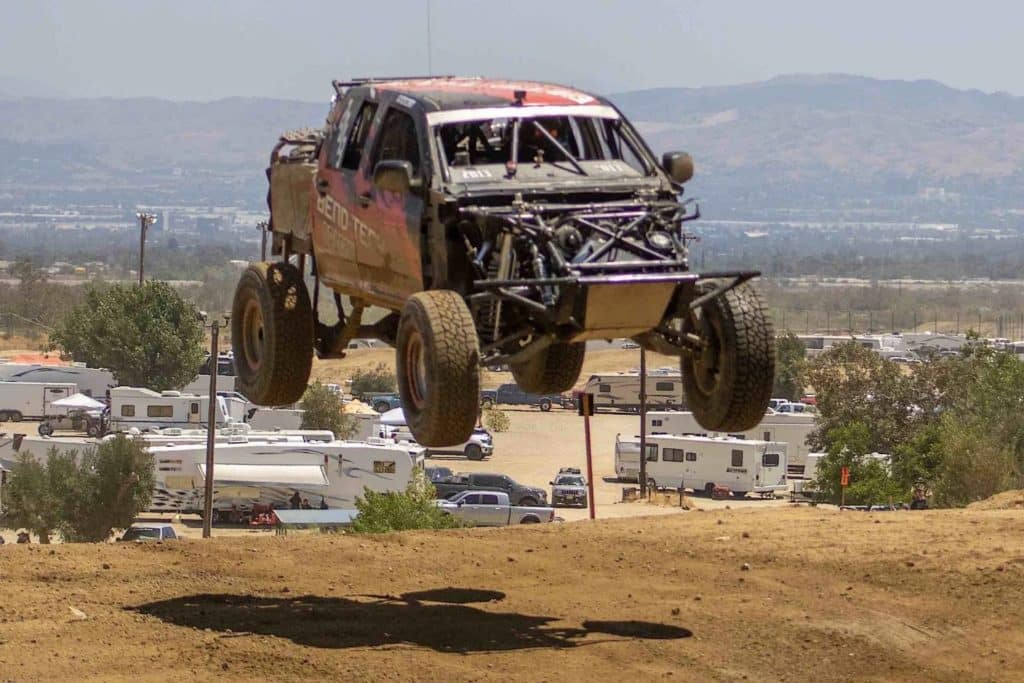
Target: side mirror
{"points": [[394, 175], [678, 165]]}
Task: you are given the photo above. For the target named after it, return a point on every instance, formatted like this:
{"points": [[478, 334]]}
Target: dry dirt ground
{"points": [[779, 594]]}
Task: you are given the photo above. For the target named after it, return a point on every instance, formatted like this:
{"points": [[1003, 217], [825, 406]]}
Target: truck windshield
{"points": [[569, 481], [141, 533], [580, 145]]}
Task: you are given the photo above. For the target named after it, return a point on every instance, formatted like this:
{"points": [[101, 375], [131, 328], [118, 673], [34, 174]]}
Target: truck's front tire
{"points": [[551, 371], [272, 334], [728, 384], [437, 359]]}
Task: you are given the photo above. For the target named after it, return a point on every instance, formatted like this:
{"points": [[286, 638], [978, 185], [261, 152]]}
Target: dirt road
{"points": [[774, 594]]}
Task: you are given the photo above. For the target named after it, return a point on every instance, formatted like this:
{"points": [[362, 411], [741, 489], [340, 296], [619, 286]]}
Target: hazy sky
{"points": [[185, 49]]}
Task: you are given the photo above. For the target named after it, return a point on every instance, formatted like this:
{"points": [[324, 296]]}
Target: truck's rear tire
{"points": [[729, 383], [45, 429], [437, 359], [551, 371], [16, 416], [272, 334], [545, 405]]}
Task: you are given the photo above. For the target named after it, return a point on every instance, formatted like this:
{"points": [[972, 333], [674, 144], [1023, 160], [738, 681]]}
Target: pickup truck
{"points": [[491, 508], [511, 394], [483, 481], [382, 402]]}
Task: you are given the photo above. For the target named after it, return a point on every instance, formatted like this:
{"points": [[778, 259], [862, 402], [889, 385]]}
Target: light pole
{"points": [[145, 220], [211, 429]]}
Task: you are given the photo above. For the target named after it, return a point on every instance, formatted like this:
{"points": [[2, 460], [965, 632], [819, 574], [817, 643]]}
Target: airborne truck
{"points": [[495, 223]]}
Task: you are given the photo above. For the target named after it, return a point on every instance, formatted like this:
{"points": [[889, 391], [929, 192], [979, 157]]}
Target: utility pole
{"points": [[263, 226], [643, 422], [145, 220], [211, 425]]}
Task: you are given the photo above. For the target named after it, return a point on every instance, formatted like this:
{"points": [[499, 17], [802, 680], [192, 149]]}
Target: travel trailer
{"points": [[89, 381], [31, 400], [247, 471], [142, 409], [621, 391], [627, 458], [792, 429], [701, 462]]}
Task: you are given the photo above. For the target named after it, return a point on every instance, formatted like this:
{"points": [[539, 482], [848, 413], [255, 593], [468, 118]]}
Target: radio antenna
{"points": [[430, 49]]}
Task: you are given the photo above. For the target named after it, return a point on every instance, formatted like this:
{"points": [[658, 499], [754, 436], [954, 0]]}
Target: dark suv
{"points": [[496, 223]]}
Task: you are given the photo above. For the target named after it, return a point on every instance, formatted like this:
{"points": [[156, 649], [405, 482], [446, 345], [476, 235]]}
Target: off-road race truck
{"points": [[494, 222]]}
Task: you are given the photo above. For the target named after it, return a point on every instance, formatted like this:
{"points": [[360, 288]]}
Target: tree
{"points": [[323, 409], [147, 336], [414, 508], [378, 378], [870, 481], [112, 485], [35, 495], [789, 367]]}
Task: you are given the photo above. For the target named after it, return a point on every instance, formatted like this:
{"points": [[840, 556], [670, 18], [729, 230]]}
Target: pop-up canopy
{"points": [[78, 401]]}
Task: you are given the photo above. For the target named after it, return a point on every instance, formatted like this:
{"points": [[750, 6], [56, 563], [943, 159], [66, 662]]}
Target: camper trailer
{"points": [[89, 381], [142, 409], [792, 429], [621, 391], [627, 458], [31, 400], [701, 463]]}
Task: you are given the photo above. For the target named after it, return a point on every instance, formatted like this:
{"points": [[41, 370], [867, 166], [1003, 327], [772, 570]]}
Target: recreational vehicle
{"points": [[135, 407], [792, 429], [700, 463], [621, 391], [627, 458], [31, 400], [89, 381]]}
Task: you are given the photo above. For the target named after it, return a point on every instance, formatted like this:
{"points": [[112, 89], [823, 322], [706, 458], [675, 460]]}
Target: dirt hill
{"points": [[803, 594]]}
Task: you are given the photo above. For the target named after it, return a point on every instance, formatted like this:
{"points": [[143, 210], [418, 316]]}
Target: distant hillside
{"points": [[815, 142]]}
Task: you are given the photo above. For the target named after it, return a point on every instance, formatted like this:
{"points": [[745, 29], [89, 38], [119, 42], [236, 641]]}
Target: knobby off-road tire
{"points": [[729, 383], [437, 359], [551, 371], [272, 334]]}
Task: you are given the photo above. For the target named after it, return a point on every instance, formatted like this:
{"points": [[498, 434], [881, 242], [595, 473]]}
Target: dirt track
{"points": [[933, 596]]}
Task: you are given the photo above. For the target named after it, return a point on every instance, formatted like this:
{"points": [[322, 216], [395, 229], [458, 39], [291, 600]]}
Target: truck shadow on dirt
{"points": [[440, 619]]}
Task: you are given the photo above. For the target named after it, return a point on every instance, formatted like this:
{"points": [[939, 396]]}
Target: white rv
{"points": [[269, 473], [31, 400], [142, 409], [700, 463], [89, 381], [627, 458], [276, 418], [792, 429], [621, 391]]}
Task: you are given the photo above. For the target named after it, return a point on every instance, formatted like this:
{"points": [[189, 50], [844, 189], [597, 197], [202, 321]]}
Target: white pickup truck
{"points": [[491, 508]]}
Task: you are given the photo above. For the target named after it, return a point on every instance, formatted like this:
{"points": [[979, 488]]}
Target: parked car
{"points": [[150, 532], [479, 446], [436, 474], [382, 402], [511, 394], [491, 508], [630, 344], [484, 481], [569, 488]]}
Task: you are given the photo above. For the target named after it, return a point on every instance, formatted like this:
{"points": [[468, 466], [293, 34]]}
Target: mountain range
{"points": [[797, 142]]}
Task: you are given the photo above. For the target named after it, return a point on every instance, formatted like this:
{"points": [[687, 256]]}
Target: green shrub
{"points": [[496, 420], [414, 508]]}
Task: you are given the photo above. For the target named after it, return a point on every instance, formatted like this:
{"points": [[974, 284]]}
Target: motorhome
{"points": [[31, 400], [701, 463], [627, 458], [793, 429], [142, 409], [89, 381], [621, 391]]}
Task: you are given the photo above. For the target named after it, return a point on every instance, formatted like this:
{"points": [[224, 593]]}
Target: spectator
{"points": [[295, 501], [23, 537], [323, 503], [306, 505]]}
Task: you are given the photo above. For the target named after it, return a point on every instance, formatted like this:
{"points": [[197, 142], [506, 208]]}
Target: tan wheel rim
{"points": [[707, 364], [416, 370], [252, 335]]}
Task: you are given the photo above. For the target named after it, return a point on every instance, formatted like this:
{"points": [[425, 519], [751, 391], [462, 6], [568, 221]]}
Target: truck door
{"points": [[389, 247], [492, 512], [338, 181]]}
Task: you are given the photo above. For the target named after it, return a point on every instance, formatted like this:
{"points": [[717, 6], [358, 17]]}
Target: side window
{"points": [[767, 436], [159, 411], [672, 455], [737, 458], [691, 456], [652, 452], [193, 407], [489, 499], [770, 460], [398, 140], [656, 423], [357, 134], [604, 388], [127, 410], [664, 386], [471, 499]]}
